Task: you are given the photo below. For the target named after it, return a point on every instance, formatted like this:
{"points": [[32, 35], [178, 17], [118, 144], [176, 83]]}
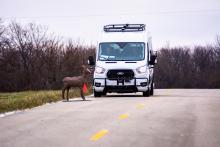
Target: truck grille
{"points": [[120, 74]]}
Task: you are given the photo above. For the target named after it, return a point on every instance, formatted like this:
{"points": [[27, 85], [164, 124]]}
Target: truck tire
{"points": [[152, 88], [97, 94], [104, 93], [146, 93]]}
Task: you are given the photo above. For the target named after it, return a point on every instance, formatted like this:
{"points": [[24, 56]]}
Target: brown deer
{"points": [[76, 81]]}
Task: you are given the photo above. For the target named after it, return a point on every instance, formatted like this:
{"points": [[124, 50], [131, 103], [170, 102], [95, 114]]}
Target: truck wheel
{"points": [[146, 93], [97, 94], [104, 93], [152, 88]]}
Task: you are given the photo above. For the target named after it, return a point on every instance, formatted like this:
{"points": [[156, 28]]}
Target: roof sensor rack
{"points": [[124, 27]]}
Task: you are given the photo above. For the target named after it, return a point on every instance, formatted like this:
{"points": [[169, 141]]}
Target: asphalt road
{"points": [[171, 118]]}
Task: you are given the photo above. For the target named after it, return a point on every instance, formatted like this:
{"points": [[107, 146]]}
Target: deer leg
{"points": [[82, 94], [63, 92], [67, 94]]}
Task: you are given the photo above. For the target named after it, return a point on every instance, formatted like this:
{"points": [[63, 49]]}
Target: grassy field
{"points": [[29, 99]]}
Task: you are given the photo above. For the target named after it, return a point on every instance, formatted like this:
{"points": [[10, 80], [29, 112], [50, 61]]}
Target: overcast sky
{"points": [[177, 22]]}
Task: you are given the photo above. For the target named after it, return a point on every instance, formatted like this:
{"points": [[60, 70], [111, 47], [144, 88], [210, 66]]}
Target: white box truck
{"points": [[124, 61]]}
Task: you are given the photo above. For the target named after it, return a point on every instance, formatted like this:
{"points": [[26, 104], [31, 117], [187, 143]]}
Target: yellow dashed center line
{"points": [[140, 106], [123, 116], [103, 132], [99, 135]]}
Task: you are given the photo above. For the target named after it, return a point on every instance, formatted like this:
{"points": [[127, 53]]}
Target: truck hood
{"points": [[120, 64]]}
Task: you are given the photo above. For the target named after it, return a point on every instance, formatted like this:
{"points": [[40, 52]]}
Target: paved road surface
{"points": [[171, 118]]}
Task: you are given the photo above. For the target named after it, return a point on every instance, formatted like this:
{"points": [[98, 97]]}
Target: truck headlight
{"points": [[99, 70], [141, 69]]}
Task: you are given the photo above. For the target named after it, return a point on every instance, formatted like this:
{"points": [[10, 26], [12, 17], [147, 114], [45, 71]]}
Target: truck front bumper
{"points": [[121, 85]]}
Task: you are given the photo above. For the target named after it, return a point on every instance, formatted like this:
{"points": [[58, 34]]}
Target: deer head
{"points": [[86, 70]]}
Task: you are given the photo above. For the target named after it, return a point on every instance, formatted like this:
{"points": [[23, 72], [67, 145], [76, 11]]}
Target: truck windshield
{"points": [[121, 51]]}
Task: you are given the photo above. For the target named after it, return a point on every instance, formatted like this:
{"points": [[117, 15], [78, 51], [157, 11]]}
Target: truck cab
{"points": [[124, 61]]}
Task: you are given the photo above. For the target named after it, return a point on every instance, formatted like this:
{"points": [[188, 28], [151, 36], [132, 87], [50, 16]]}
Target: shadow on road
{"points": [[72, 100], [122, 96]]}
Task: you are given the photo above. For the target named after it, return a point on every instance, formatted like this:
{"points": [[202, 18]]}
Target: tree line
{"points": [[33, 59], [184, 67]]}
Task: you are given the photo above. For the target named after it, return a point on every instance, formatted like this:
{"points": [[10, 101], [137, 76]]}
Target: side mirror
{"points": [[153, 58], [91, 60]]}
